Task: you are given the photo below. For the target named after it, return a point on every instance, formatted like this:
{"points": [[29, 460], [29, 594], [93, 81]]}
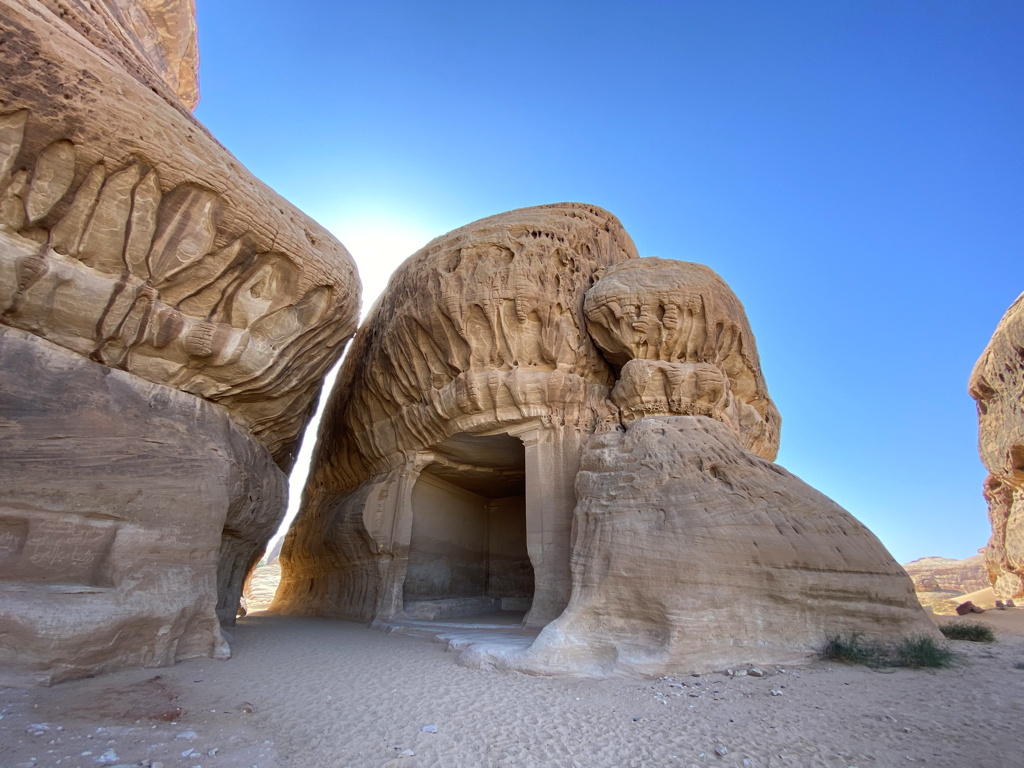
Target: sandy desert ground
{"points": [[316, 693]]}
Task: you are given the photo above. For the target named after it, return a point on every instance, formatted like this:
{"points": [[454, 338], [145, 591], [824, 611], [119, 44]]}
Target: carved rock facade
{"points": [[535, 418], [471, 387], [131, 242], [996, 384]]}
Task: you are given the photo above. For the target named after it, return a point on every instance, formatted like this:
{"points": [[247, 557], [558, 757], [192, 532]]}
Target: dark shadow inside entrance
{"points": [[468, 552]]}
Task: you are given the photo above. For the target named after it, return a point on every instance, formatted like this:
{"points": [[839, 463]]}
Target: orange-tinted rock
{"points": [[996, 384]]}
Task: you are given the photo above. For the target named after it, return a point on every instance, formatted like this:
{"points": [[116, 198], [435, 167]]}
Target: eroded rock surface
{"points": [[693, 551], [692, 554], [132, 243], [123, 503], [684, 346], [155, 40], [474, 371], [128, 235], [996, 384], [449, 462]]}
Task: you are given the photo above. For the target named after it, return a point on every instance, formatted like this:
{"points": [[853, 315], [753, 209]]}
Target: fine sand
{"points": [[316, 693]]}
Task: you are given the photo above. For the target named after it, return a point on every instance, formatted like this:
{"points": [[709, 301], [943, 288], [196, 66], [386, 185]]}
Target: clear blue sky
{"points": [[854, 170]]}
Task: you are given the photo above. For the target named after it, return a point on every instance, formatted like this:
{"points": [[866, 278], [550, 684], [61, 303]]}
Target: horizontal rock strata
{"points": [[123, 500]]}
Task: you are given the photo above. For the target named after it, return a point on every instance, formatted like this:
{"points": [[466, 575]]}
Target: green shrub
{"points": [[923, 652], [916, 652], [968, 630], [851, 649]]}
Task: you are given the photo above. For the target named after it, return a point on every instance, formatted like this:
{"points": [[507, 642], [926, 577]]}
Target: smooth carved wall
{"points": [[448, 550], [509, 572], [137, 253]]}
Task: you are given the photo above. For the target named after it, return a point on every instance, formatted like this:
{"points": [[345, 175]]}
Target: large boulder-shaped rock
{"points": [[133, 244], [693, 551], [694, 554], [460, 409], [996, 384], [124, 502]]}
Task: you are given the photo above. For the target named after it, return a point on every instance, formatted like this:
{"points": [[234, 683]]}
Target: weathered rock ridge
{"points": [[996, 384], [533, 417], [683, 345], [153, 40], [135, 249], [131, 237]]}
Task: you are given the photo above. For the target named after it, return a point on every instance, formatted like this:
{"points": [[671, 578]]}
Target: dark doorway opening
{"points": [[468, 551]]}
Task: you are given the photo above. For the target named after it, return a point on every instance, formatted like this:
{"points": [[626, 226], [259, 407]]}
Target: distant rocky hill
{"points": [[940, 581], [942, 573]]}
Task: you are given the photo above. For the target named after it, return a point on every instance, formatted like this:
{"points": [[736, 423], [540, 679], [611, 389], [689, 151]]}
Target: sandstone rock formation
{"points": [[693, 550], [261, 586], [131, 243], [124, 502], [931, 574], [447, 455], [683, 345], [942, 584], [693, 554], [153, 40], [996, 384], [635, 388]]}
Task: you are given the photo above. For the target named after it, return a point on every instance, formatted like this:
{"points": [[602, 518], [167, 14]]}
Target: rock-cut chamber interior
{"points": [[468, 552]]}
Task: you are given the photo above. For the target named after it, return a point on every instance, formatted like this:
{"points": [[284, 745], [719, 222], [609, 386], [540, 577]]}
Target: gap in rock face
{"points": [[379, 243], [261, 582]]}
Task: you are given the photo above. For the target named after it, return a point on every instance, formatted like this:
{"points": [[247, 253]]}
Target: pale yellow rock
{"points": [[693, 551], [261, 586], [943, 573], [996, 384], [130, 515], [682, 342], [129, 236], [154, 40]]}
